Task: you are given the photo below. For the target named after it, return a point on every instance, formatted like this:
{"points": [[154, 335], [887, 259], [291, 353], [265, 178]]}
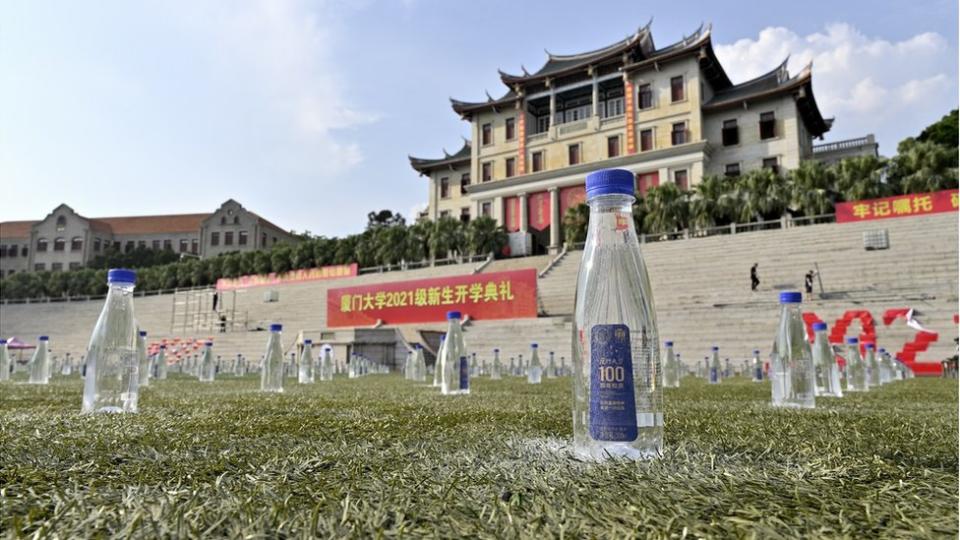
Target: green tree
{"points": [[483, 236], [860, 178], [923, 166], [575, 223], [281, 258], [385, 218], [418, 240], [943, 132], [391, 244], [447, 238], [761, 194], [811, 188], [667, 209], [713, 202]]}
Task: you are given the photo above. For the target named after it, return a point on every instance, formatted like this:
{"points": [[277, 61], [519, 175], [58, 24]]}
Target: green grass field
{"points": [[379, 456]]}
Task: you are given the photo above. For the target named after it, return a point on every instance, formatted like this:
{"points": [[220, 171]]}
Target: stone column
{"points": [[553, 107], [524, 218], [498, 211], [596, 96], [555, 218]]}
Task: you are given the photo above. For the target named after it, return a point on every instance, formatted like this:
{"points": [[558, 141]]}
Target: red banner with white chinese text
{"points": [[917, 204], [511, 214], [571, 196], [538, 208], [294, 276], [497, 295]]}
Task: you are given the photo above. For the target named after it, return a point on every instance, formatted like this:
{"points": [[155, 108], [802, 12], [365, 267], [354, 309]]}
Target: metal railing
{"points": [[843, 145]]}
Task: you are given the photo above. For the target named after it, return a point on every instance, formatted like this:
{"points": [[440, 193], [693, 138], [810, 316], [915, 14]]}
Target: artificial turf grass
{"points": [[383, 456]]}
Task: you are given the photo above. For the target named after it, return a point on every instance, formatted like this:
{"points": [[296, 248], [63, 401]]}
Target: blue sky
{"points": [[305, 112]]}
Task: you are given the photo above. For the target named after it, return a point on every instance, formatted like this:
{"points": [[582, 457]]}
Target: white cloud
{"points": [[871, 85]]}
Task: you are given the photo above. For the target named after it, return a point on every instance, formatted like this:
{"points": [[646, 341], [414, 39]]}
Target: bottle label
{"points": [[613, 411], [464, 373], [759, 374], [713, 375]]}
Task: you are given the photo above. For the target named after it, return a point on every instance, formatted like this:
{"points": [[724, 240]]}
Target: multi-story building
{"points": [[66, 240], [669, 114]]}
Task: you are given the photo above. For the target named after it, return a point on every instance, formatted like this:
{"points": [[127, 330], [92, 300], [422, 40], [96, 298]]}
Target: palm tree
{"points": [[712, 202], [762, 194], [667, 209], [924, 166], [575, 223], [391, 244], [860, 178], [811, 188], [447, 237], [418, 240], [484, 236]]}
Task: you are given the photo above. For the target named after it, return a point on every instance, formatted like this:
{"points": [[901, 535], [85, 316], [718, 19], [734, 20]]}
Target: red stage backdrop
{"points": [[497, 295], [902, 205], [294, 276]]}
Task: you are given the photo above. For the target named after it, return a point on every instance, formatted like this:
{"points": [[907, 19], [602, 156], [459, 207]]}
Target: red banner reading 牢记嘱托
{"points": [[497, 295], [917, 204]]}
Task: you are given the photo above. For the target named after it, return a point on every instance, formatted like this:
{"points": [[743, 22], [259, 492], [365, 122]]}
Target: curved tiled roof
{"points": [[425, 165], [16, 229]]}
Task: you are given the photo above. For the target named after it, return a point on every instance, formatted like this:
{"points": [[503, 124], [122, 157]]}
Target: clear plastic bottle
{"points": [[828, 372], [305, 374], [143, 361], [513, 367], [495, 369], [756, 367], [161, 362], [715, 375], [792, 374], [39, 373], [4, 361], [534, 370], [563, 366], [873, 367], [111, 380], [437, 368], [208, 368], [326, 364], [618, 400], [271, 372], [473, 365], [551, 366], [726, 369], [856, 368], [886, 366], [671, 367], [455, 378], [521, 367]]}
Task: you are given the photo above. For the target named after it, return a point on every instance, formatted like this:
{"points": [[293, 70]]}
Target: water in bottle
{"points": [[38, 363], [161, 363], [792, 374], [551, 367], [534, 369], [828, 372], [618, 402], [715, 376], [271, 372], [326, 364], [437, 368], [208, 367], [143, 361], [4, 361], [455, 378], [111, 380], [305, 373], [873, 367], [756, 367], [495, 370], [521, 367], [671, 367], [419, 364], [856, 368]]}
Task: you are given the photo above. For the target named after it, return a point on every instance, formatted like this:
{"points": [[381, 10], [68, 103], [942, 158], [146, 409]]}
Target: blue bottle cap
{"points": [[121, 275], [533, 345], [790, 297], [443, 337], [609, 182], [852, 341], [3, 342], [868, 345], [163, 347], [417, 346], [44, 338], [756, 351], [817, 326], [276, 327], [668, 344], [496, 350], [209, 344], [453, 315], [714, 348], [307, 341], [143, 333]]}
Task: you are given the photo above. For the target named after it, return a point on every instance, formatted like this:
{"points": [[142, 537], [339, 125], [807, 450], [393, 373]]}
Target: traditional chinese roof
{"points": [[425, 165], [16, 229], [464, 108], [771, 84], [698, 43]]}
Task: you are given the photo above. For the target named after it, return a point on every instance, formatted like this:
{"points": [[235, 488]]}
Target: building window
{"points": [[76, 243], [645, 181], [511, 166], [24, 251], [486, 171], [613, 146], [223, 220], [59, 243], [41, 245], [464, 182], [155, 245], [56, 267], [646, 140], [3, 250], [444, 213], [731, 169], [194, 246], [573, 154], [511, 128], [274, 240], [613, 107], [168, 245], [242, 238], [465, 215], [214, 239], [12, 251], [768, 125], [731, 135], [680, 179], [183, 246], [96, 245], [486, 134], [141, 244], [645, 97], [678, 135], [128, 247], [676, 89], [74, 266], [263, 240], [39, 267], [543, 123], [228, 238], [771, 163], [236, 220], [444, 188], [536, 161], [61, 223], [486, 209]]}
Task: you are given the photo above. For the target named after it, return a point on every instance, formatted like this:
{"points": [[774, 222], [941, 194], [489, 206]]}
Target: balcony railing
{"points": [[843, 145], [571, 127]]}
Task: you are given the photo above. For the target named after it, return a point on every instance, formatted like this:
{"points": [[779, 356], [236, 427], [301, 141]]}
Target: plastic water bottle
{"points": [[618, 400], [714, 369], [208, 368], [455, 378], [419, 365], [326, 364], [271, 372], [792, 374], [726, 369], [305, 373], [473, 365], [437, 369], [512, 369], [495, 369], [111, 380], [161, 362], [563, 366], [873, 367], [828, 372], [521, 367], [551, 367], [4, 361], [856, 368], [534, 370], [756, 367], [38, 362], [671, 368], [143, 361]]}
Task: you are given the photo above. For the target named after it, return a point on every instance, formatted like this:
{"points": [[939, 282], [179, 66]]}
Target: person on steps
{"points": [[754, 279]]}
